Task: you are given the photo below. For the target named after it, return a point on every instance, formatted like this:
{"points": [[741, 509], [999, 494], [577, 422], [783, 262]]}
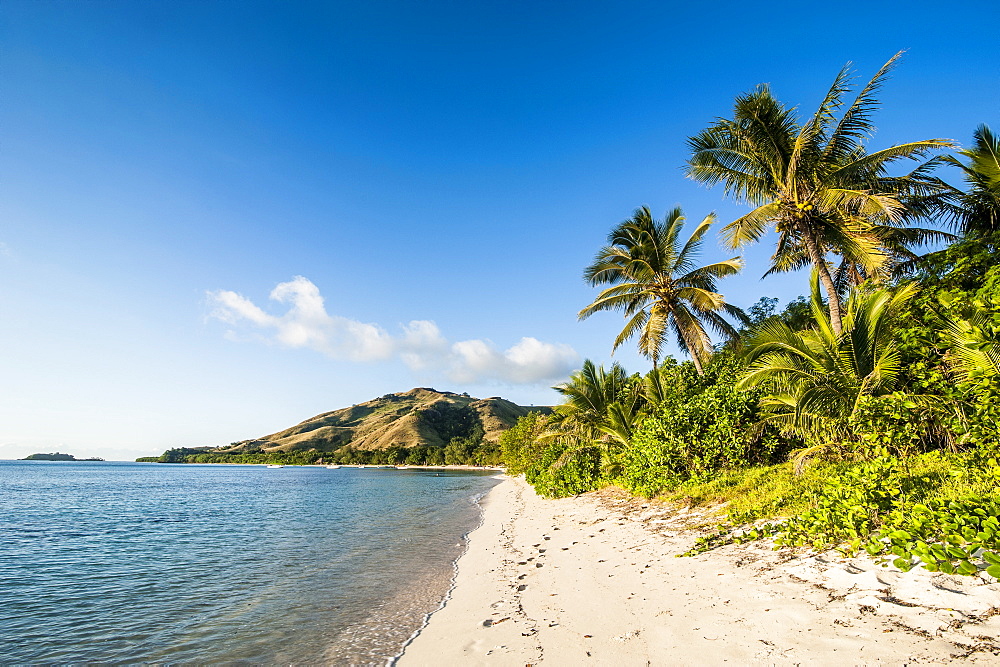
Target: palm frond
{"points": [[856, 124], [751, 227]]}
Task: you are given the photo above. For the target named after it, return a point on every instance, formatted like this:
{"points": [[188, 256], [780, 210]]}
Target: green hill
{"points": [[415, 418]]}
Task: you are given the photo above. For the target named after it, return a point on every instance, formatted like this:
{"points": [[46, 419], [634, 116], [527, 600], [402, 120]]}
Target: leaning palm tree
{"points": [[814, 182], [814, 380], [655, 281]]}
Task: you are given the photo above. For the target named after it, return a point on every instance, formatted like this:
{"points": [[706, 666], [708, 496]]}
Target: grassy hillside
{"points": [[420, 417]]}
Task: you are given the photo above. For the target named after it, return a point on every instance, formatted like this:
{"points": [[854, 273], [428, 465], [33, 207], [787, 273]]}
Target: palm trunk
{"points": [[833, 299], [693, 352], [697, 364]]}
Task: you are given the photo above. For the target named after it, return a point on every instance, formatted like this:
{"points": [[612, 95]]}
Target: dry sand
{"points": [[595, 580]]}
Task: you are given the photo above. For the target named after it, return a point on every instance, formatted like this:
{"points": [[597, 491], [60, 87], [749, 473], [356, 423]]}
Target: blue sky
{"points": [[422, 183]]}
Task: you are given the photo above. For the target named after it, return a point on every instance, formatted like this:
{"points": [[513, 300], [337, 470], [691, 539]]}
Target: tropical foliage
{"points": [[600, 406], [882, 386], [703, 425], [975, 210], [815, 380]]}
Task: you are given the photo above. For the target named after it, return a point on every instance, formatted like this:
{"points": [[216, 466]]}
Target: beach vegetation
{"points": [[520, 445], [702, 425], [815, 381], [862, 418]]}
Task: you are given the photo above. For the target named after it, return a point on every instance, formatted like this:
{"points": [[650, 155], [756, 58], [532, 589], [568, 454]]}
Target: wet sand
{"points": [[594, 580]]}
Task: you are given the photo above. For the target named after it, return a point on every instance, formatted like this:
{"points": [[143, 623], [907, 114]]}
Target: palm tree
{"points": [[815, 379], [655, 281], [815, 183], [601, 405], [976, 211]]}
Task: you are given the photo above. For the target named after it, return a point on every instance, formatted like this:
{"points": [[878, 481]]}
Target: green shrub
{"points": [[565, 470], [519, 445], [702, 426]]}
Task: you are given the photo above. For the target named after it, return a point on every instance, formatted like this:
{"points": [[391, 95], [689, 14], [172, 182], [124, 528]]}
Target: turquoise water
{"points": [[133, 562]]}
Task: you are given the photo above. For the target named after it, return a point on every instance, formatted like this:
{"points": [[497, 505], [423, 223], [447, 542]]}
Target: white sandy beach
{"points": [[595, 580]]}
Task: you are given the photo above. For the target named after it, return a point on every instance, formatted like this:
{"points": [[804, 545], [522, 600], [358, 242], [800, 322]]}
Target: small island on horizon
{"points": [[56, 456]]}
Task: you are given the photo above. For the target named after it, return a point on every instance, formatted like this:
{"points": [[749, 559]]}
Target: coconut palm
{"points": [[655, 281], [815, 379], [977, 210], [814, 182]]}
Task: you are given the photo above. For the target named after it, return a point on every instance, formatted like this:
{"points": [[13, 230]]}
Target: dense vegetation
{"points": [[472, 450], [865, 416]]}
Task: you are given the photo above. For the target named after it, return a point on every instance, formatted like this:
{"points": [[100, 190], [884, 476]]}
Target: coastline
{"points": [[593, 579]]}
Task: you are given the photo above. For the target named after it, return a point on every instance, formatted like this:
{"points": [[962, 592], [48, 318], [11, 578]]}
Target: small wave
{"points": [[476, 499]]}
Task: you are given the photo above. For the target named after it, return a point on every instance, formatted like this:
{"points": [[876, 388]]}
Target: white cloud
{"points": [[306, 323], [420, 346]]}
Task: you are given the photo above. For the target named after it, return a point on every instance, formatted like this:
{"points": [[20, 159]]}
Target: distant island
{"points": [[422, 426], [58, 457]]}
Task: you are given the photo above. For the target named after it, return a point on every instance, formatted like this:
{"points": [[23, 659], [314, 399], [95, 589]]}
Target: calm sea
{"points": [[134, 562]]}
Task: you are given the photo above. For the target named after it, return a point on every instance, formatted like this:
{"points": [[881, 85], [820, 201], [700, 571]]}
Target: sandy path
{"points": [[594, 580]]}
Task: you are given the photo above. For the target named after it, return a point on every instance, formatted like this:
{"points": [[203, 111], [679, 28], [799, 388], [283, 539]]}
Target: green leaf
{"points": [[991, 557], [957, 552]]}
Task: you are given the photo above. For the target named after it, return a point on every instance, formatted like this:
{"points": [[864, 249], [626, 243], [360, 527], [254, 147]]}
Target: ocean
{"points": [[146, 562]]}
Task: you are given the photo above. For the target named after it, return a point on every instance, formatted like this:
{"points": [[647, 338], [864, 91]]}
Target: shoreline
{"points": [[479, 501], [593, 579], [321, 465]]}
